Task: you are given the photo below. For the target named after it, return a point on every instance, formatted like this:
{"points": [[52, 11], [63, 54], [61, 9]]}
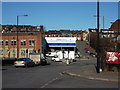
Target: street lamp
{"points": [[102, 19], [17, 34]]}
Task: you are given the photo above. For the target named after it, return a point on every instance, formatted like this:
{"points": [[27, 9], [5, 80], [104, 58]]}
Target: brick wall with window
{"points": [[31, 41]]}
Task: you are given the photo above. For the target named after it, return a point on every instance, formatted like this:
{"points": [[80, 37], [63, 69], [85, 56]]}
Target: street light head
{"points": [[22, 15], [94, 15], [25, 15]]}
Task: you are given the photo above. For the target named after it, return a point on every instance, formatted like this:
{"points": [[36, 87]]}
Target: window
{"points": [[1, 52], [6, 52], [13, 53], [1, 42], [31, 50], [6, 42], [23, 42], [13, 42], [23, 52], [31, 42]]}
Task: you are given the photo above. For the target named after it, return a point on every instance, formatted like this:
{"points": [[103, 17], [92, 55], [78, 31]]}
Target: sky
{"points": [[59, 15]]}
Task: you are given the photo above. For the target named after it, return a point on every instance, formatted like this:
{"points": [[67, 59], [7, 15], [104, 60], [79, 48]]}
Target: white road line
{"points": [[50, 82]]}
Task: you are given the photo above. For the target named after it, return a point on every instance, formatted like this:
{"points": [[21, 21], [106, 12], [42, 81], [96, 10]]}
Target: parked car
{"points": [[24, 62], [77, 55], [56, 58], [93, 54], [51, 54], [44, 62]]}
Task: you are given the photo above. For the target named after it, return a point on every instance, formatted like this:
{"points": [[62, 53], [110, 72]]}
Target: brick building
{"points": [[115, 26], [28, 42], [8, 28], [79, 34], [112, 32], [111, 35]]}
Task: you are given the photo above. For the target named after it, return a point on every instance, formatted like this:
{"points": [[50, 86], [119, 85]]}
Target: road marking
{"points": [[50, 82]]}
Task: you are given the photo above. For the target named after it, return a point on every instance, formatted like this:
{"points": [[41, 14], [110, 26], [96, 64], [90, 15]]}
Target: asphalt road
{"points": [[80, 46], [49, 77]]}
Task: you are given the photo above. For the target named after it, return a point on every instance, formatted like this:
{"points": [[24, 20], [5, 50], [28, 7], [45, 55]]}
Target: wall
{"points": [[10, 51]]}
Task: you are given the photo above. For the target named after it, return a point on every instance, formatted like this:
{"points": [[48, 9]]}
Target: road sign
{"points": [[113, 57]]}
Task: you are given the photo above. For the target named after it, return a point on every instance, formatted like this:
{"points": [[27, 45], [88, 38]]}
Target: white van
{"points": [[51, 54], [59, 55]]}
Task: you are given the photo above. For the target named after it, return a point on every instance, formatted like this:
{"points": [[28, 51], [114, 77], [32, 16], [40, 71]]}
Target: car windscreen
{"points": [[21, 59]]}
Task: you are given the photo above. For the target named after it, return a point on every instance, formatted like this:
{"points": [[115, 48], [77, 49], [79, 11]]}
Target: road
{"points": [[49, 77], [80, 46]]}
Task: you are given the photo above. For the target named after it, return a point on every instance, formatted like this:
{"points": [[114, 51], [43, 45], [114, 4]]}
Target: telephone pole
{"points": [[98, 39]]}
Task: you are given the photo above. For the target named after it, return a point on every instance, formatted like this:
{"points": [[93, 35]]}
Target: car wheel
{"points": [[33, 64], [25, 66], [44, 62]]}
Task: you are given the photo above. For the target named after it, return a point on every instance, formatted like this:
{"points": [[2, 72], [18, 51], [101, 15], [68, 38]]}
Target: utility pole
{"points": [[98, 39], [102, 20]]}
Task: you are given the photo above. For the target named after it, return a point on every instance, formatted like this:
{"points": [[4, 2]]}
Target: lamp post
{"points": [[17, 34], [102, 19]]}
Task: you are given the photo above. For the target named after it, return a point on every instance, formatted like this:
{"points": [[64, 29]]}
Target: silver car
{"points": [[24, 62]]}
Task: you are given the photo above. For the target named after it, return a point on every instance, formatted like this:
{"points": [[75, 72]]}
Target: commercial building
{"points": [[59, 43], [19, 44], [64, 39]]}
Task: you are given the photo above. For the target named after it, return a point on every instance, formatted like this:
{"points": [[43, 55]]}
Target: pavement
{"points": [[89, 72]]}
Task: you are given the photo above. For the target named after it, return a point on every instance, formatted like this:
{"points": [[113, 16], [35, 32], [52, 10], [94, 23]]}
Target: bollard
{"points": [[100, 70], [67, 61]]}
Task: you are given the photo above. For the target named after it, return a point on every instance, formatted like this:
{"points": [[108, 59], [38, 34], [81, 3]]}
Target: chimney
{"points": [[42, 29]]}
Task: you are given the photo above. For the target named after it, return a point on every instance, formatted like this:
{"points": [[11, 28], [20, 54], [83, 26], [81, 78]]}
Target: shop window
{"points": [[6, 52], [1, 52], [13, 53], [23, 52], [31, 50]]}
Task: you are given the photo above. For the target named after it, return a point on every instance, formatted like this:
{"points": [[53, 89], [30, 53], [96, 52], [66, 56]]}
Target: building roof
{"points": [[32, 33], [115, 25]]}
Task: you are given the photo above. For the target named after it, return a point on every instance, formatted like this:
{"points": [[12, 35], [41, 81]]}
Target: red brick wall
{"points": [[115, 26], [37, 38]]}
